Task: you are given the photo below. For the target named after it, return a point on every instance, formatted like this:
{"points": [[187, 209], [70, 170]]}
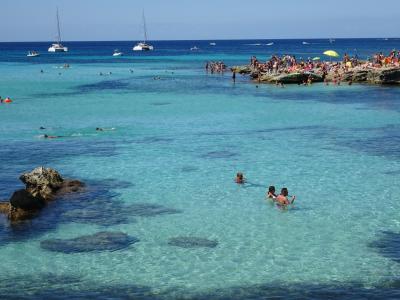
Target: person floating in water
{"points": [[104, 129], [283, 197], [240, 178], [271, 192], [46, 136]]}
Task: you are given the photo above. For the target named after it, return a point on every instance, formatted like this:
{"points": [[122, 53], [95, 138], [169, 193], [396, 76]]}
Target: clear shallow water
{"points": [[179, 142]]}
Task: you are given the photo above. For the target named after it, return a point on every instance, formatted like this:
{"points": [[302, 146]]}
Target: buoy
{"points": [[7, 100]]}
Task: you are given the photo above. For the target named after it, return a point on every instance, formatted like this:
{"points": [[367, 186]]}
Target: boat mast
{"points": [[144, 28], [58, 29]]}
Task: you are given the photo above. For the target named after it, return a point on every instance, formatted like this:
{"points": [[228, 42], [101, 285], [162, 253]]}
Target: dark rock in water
{"points": [[388, 245], [149, 210], [113, 213], [70, 186], [24, 200], [42, 182], [42, 185], [101, 241], [188, 169], [192, 242], [219, 154]]}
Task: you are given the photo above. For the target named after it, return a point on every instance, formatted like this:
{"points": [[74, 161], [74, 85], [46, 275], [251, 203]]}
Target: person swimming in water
{"points": [[271, 192], [46, 136], [283, 197], [104, 129], [240, 178]]}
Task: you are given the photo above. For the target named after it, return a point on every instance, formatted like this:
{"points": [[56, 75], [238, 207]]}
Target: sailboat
{"points": [[143, 46], [57, 46]]}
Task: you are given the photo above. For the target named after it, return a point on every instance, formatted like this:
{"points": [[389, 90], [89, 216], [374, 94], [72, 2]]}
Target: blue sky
{"points": [[27, 20]]}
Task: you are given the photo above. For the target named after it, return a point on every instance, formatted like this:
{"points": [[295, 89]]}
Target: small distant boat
{"points": [[194, 48], [117, 53], [33, 54], [270, 44], [331, 41], [143, 46], [213, 44], [57, 46], [305, 43]]}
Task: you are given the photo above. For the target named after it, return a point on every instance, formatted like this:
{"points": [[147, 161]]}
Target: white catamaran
{"points": [[143, 46], [57, 46]]}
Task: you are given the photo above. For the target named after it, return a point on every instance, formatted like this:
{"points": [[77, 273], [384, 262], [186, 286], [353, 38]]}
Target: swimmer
{"points": [[51, 136], [41, 128], [105, 129], [283, 197], [130, 70], [1, 100], [271, 192], [240, 178]]}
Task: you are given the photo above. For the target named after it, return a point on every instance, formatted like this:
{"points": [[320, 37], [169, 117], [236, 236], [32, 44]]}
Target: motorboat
{"points": [[305, 43], [270, 44], [58, 46], [213, 44], [33, 54], [195, 48], [143, 46], [117, 53]]}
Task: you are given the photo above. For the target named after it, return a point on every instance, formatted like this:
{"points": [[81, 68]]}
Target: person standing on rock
{"points": [[234, 76]]}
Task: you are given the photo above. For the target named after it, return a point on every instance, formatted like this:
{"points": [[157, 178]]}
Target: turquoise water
{"points": [[178, 142]]}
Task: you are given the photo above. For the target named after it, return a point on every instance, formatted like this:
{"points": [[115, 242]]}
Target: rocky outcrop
{"points": [[288, 78], [42, 185], [242, 69], [384, 75]]}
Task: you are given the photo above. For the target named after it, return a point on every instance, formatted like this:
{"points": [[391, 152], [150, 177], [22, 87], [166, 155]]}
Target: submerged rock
{"points": [[101, 241], [150, 210], [192, 242], [113, 213]]}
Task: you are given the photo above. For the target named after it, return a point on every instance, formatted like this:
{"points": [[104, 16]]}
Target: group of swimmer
{"points": [[6, 100], [283, 199], [46, 136]]}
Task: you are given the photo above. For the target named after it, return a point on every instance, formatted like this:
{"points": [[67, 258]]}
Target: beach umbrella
{"points": [[316, 58], [331, 53]]}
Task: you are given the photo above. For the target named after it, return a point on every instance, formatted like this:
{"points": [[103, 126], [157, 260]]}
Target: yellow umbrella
{"points": [[316, 58], [331, 53]]}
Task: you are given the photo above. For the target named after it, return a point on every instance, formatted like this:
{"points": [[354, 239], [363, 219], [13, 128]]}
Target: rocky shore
{"points": [[42, 185], [384, 75]]}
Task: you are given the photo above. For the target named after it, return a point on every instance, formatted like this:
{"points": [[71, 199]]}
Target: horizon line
{"points": [[236, 39]]}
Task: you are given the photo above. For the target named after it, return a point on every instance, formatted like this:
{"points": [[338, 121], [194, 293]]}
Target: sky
{"points": [[102, 20]]}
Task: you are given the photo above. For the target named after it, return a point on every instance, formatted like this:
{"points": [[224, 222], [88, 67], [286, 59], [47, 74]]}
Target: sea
{"points": [[161, 216]]}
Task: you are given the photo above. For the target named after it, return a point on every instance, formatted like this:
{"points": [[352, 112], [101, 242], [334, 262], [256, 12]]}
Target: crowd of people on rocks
{"points": [[290, 64], [215, 67]]}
